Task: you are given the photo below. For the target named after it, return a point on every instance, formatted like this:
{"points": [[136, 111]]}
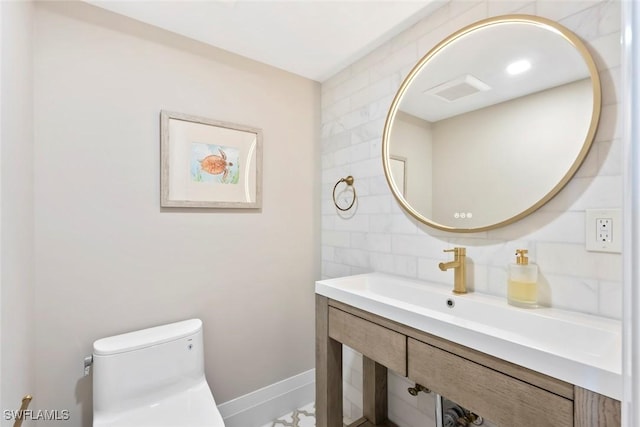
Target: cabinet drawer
{"points": [[500, 398], [378, 343]]}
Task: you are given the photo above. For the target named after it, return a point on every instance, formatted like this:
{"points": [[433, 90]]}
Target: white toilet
{"points": [[153, 378]]}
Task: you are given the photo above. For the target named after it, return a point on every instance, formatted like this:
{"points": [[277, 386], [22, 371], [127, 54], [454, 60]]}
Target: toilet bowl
{"points": [[153, 378]]}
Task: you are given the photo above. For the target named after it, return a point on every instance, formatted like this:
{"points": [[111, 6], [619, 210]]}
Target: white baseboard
{"points": [[271, 402]]}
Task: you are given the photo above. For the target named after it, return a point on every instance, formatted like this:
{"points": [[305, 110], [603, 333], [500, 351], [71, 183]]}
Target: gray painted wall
{"points": [[109, 260], [16, 215]]}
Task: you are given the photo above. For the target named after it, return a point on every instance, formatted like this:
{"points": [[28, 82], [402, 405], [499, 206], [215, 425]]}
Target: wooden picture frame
{"points": [[398, 167], [208, 163]]}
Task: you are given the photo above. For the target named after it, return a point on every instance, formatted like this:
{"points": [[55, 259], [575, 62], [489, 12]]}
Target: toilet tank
{"points": [[144, 367]]}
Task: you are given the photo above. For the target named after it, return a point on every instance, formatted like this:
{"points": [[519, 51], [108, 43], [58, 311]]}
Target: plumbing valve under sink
{"points": [[458, 417], [453, 415]]}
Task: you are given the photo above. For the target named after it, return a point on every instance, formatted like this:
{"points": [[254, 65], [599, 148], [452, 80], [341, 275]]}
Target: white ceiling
{"points": [[485, 54], [312, 38]]}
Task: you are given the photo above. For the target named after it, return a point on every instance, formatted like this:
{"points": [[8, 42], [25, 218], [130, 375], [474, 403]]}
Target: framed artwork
{"points": [[208, 163], [399, 172]]}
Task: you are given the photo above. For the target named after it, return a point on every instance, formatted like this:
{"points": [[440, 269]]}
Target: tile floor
{"points": [[303, 417]]}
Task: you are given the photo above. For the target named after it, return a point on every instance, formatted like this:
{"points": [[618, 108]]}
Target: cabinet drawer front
{"points": [[378, 343], [500, 398]]}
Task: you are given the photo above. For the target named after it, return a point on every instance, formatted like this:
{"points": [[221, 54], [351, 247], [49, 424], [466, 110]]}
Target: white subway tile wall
{"points": [[380, 237]]}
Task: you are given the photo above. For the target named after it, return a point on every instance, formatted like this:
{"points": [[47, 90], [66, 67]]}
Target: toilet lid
{"points": [[191, 408]]}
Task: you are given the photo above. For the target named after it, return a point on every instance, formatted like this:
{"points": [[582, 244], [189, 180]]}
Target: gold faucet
{"points": [[460, 274]]}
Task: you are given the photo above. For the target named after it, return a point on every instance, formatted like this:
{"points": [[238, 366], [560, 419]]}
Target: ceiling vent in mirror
{"points": [[458, 88]]}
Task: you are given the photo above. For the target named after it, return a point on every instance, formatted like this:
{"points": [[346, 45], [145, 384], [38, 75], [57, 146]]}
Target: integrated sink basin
{"points": [[581, 349]]}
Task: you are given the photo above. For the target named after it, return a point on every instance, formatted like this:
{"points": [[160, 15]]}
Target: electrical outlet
{"points": [[603, 230]]}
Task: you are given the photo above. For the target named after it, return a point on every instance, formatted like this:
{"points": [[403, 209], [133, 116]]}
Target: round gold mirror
{"points": [[491, 123]]}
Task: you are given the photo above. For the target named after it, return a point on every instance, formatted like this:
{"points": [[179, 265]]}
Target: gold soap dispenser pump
{"points": [[522, 287]]}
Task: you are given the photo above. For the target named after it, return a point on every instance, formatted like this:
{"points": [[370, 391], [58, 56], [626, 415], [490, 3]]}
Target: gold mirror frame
{"points": [[528, 19]]}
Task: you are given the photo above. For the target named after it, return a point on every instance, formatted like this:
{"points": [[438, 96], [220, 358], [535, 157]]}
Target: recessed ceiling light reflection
{"points": [[518, 67]]}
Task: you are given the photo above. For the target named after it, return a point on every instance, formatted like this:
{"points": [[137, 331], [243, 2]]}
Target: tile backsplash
{"points": [[378, 236]]}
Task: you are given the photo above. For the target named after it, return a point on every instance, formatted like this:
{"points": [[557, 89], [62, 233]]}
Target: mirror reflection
{"points": [[491, 123]]}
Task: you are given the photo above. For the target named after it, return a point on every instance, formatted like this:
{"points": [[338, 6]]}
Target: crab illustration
{"points": [[215, 165]]}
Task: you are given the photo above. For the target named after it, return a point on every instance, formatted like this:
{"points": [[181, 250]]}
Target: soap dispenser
{"points": [[522, 288]]}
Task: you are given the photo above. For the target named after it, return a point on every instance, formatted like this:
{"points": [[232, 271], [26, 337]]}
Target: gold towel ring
{"points": [[349, 181]]}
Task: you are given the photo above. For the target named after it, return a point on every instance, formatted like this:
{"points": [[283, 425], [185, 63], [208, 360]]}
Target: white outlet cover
{"points": [[592, 243]]}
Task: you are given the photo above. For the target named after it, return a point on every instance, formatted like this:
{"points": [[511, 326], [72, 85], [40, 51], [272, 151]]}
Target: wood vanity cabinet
{"points": [[505, 400], [385, 346], [507, 394]]}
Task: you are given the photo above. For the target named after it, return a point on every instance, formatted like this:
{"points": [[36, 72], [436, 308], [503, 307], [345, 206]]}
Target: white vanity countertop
{"points": [[581, 349]]}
